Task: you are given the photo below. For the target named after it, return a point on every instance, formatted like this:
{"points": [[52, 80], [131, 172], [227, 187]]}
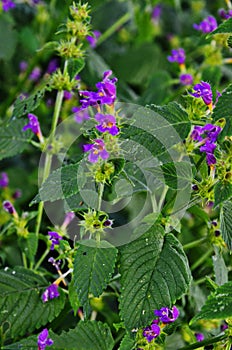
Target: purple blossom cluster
{"points": [[4, 180], [207, 25], [7, 5], [44, 340], [50, 293], [92, 39], [177, 55], [207, 136], [165, 316], [54, 238], [225, 14], [204, 91]]}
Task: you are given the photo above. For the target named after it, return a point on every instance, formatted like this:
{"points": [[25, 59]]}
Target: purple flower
{"points": [[4, 180], [52, 66], [186, 79], [80, 114], [35, 74], [17, 194], [54, 238], [106, 93], [68, 218], [7, 5], [196, 133], [67, 95], [207, 25], [156, 13], [210, 159], [151, 332], [43, 340], [177, 55], [107, 123], [33, 125], [50, 293], [199, 336], [92, 39], [225, 15], [23, 66], [167, 315], [97, 149], [204, 91], [9, 208], [208, 147]]}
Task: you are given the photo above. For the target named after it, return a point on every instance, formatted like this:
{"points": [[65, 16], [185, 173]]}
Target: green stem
{"points": [[204, 342], [122, 20], [201, 259], [24, 260], [162, 198], [39, 262], [194, 243], [100, 194]]}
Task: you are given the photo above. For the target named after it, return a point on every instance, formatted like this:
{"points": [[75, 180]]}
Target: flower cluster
{"points": [[7, 5], [34, 126], [165, 316], [207, 25], [54, 238], [178, 55], [50, 293], [207, 136], [4, 180], [43, 340], [225, 15]]}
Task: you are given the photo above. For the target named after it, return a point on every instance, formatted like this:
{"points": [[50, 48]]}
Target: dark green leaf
{"points": [[156, 91], [229, 41], [29, 104], [75, 65], [127, 343], [154, 273], [223, 110], [87, 335], [21, 303], [226, 223], [175, 175], [223, 28], [73, 298], [218, 305], [8, 39], [222, 192], [12, 139], [93, 266]]}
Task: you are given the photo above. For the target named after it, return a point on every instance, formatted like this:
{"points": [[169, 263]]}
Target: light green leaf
{"points": [[12, 139], [222, 192], [218, 305], [62, 183], [87, 335], [226, 223], [73, 298], [93, 266], [220, 269], [21, 304], [154, 273]]}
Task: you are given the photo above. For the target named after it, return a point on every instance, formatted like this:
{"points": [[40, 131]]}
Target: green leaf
{"points": [[73, 299], [21, 304], [223, 28], [226, 223], [29, 104], [154, 273], [29, 245], [223, 110], [218, 305], [175, 175], [75, 65], [93, 266], [8, 39], [61, 183], [176, 116], [220, 269], [127, 343], [87, 335], [222, 192], [156, 91], [12, 139]]}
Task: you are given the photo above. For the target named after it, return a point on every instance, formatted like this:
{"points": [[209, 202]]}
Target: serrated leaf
{"points": [[222, 192], [224, 28], [72, 295], [229, 41], [93, 266], [29, 104], [223, 110], [61, 183], [154, 273], [218, 305], [175, 175], [75, 65], [127, 343], [226, 223], [87, 335], [21, 305], [12, 139]]}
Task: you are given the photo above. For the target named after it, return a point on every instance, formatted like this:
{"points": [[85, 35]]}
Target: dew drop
{"points": [[13, 272], [6, 268]]}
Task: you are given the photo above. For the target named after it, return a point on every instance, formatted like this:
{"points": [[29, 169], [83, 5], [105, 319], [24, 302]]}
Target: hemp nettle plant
{"points": [[116, 177]]}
